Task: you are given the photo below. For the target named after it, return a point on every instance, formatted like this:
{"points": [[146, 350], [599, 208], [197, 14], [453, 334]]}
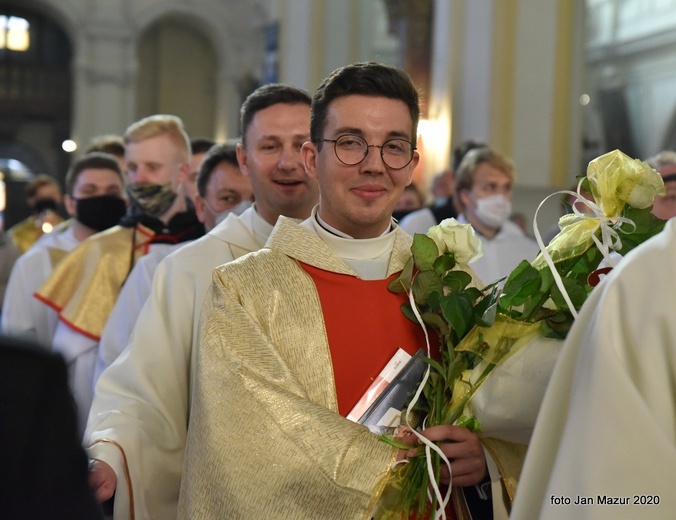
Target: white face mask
{"points": [[237, 209], [493, 211]]}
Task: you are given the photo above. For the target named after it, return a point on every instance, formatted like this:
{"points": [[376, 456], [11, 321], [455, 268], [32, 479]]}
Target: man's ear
{"points": [[242, 159], [464, 201], [412, 166], [184, 172], [309, 154], [69, 203], [199, 207]]}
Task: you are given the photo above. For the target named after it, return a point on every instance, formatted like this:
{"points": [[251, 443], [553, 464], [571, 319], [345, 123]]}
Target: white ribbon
{"points": [[610, 239], [429, 445]]}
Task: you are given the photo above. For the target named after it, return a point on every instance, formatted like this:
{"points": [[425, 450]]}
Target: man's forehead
{"points": [[224, 168], [156, 145], [279, 113], [486, 172], [94, 174], [357, 111]]}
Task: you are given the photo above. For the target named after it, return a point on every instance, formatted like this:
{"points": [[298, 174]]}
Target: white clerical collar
{"points": [[261, 228], [368, 257], [331, 229]]}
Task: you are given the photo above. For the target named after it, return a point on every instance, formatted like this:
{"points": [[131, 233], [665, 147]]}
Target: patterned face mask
{"points": [[154, 199]]}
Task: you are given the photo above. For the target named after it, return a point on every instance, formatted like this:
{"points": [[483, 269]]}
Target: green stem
{"points": [[455, 413]]}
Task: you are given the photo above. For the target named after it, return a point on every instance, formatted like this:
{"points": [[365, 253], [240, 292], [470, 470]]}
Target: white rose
{"points": [[459, 239], [650, 183]]}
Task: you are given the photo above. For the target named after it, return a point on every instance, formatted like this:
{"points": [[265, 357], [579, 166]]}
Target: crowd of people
{"points": [[220, 308]]}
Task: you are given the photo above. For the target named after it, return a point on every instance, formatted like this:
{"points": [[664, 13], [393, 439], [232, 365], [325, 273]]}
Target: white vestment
{"points": [[133, 295], [80, 351], [142, 400], [418, 221], [606, 431], [24, 315], [503, 252]]}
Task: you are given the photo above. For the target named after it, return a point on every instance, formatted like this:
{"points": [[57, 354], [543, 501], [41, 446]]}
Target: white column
{"points": [[104, 82]]}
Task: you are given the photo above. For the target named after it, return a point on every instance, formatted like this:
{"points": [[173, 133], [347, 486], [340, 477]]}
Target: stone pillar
{"points": [[104, 76]]}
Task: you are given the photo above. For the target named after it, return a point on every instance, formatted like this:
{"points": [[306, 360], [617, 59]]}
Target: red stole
{"points": [[364, 326]]}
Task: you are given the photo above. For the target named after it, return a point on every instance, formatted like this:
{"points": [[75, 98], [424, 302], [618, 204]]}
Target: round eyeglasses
{"points": [[353, 149]]}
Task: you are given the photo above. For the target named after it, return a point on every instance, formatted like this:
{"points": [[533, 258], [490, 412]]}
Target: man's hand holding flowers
{"points": [[482, 328]]}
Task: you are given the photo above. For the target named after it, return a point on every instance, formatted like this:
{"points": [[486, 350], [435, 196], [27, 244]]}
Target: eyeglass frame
{"points": [[335, 149]]}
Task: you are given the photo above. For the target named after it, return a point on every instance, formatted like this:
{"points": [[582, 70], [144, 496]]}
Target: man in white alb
{"points": [[142, 401]]}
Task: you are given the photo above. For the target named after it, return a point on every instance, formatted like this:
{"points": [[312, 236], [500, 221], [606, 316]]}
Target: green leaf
{"points": [[435, 364], [444, 263], [473, 294], [557, 326], [425, 252], [522, 282], [434, 300], [393, 442], [457, 311], [402, 283], [424, 284], [456, 281], [647, 226], [408, 312], [471, 423], [533, 305], [576, 292], [434, 320]]}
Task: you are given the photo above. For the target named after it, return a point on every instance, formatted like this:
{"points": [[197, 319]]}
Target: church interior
{"points": [[551, 85]]}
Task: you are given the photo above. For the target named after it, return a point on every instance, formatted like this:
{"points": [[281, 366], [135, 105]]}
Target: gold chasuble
{"points": [[84, 286], [25, 233], [266, 438]]}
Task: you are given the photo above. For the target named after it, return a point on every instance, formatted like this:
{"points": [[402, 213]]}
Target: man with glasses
{"points": [[664, 207], [293, 335]]}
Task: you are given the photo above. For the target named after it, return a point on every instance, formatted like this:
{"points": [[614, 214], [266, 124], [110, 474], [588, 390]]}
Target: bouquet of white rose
{"points": [[481, 327]]}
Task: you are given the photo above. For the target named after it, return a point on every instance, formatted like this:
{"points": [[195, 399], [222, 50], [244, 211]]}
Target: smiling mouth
{"points": [[369, 192], [288, 182]]}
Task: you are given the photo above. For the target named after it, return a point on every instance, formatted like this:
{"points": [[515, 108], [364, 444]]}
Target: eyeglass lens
{"points": [[352, 149]]}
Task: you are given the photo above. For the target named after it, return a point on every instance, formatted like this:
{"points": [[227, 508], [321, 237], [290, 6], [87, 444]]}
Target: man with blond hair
{"points": [[85, 285]]}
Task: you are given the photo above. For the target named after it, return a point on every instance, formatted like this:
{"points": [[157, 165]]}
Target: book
{"points": [[387, 374], [384, 414]]}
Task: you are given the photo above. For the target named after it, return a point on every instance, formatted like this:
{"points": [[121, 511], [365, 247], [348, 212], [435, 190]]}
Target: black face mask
{"points": [[44, 205], [100, 213]]}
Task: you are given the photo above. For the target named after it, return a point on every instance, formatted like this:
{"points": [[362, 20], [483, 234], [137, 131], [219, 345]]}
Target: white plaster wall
{"points": [[318, 36], [534, 91], [472, 103]]}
